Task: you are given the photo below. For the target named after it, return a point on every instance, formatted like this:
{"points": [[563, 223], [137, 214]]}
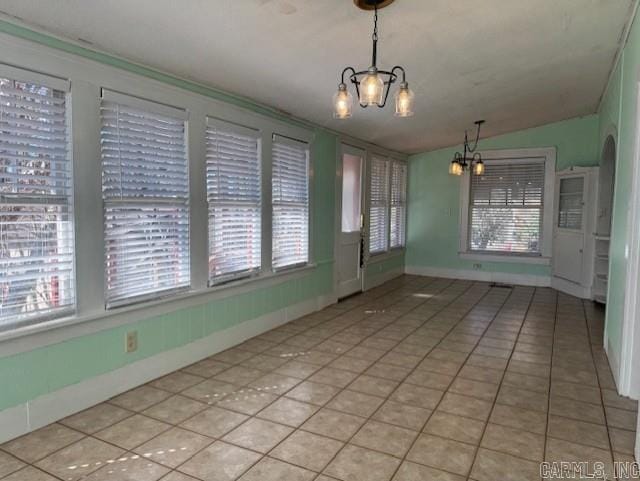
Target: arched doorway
{"points": [[606, 182]]}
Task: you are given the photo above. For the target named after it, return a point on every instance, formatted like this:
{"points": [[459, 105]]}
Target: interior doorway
{"points": [[606, 182]]}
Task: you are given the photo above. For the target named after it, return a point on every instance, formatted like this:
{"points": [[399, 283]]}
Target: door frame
{"points": [[362, 152], [629, 369]]}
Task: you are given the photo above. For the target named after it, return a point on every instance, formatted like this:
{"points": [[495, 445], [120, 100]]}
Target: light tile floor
{"points": [[419, 379]]}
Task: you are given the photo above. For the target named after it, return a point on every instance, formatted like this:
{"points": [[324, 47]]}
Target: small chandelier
{"points": [[461, 162], [372, 85]]}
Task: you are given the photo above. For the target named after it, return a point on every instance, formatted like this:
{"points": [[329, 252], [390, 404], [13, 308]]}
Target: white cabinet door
{"points": [[569, 239]]}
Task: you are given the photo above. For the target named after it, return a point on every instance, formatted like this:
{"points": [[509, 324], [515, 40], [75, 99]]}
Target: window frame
{"points": [[63, 85], [249, 131], [287, 139], [546, 155], [177, 113], [403, 204], [387, 206]]}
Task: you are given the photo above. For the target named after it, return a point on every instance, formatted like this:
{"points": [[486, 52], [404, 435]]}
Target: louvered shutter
{"points": [[145, 188], [36, 218], [379, 205], [290, 202], [398, 204], [507, 206], [234, 198]]}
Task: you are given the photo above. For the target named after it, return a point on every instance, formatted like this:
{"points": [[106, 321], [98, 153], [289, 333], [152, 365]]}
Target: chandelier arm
{"points": [[346, 69], [398, 67]]}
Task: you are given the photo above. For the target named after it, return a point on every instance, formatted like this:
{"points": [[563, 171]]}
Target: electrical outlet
{"points": [[477, 266], [131, 341]]}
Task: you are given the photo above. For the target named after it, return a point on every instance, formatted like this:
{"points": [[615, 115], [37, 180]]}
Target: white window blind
{"points": [[145, 188], [36, 219], [379, 206], [398, 204], [234, 198], [290, 202], [507, 207]]}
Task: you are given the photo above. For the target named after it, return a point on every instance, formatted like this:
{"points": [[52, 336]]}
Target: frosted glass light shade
{"points": [[371, 88], [404, 101], [478, 167], [342, 103], [455, 168]]}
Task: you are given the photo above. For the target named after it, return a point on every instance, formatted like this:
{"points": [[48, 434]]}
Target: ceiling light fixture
{"points": [[372, 85], [461, 162]]}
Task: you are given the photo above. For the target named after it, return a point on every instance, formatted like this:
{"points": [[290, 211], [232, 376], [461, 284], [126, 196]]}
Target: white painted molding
{"points": [[473, 275], [51, 407], [571, 288]]}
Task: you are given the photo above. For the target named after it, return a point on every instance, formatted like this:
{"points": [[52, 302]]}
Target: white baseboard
{"points": [[473, 275], [378, 279], [571, 288], [51, 407]]}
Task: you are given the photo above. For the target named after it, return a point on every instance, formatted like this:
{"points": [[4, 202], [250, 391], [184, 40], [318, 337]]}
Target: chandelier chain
{"points": [[375, 23]]}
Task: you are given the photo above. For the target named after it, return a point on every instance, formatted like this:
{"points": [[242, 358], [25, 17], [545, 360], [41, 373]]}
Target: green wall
{"points": [[30, 374], [434, 195], [617, 115]]}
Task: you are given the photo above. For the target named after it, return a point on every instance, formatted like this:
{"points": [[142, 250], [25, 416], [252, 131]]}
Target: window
{"points": [[379, 206], [290, 202], [234, 198], [506, 207], [398, 203], [36, 218], [145, 189], [570, 203]]}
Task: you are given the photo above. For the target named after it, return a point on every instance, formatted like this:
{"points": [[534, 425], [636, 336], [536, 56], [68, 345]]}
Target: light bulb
{"points": [[342, 103], [478, 168], [372, 88], [404, 101]]}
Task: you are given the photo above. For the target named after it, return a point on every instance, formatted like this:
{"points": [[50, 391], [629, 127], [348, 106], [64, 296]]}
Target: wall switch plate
{"points": [[131, 341]]}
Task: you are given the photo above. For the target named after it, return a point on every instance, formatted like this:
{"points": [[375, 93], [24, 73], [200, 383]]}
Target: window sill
{"points": [[383, 256], [515, 259], [33, 336]]}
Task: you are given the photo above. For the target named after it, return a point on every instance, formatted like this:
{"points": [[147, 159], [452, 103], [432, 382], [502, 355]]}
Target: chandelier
{"points": [[372, 85], [461, 162]]}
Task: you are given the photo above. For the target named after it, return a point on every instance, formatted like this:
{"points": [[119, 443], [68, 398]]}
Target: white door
{"points": [[569, 241], [350, 245]]}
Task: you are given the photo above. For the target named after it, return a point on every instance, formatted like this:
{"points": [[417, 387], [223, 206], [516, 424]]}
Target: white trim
{"points": [[53, 406], [473, 275], [145, 104], [571, 288], [629, 373], [518, 259], [548, 155], [233, 127], [386, 255], [25, 75]]}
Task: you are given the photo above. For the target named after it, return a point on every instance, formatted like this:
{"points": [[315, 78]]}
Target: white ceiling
{"points": [[516, 63]]}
